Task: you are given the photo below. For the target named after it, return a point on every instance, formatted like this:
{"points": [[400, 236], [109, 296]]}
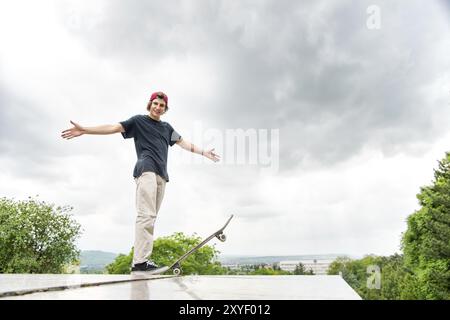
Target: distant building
{"points": [[318, 267], [231, 266]]}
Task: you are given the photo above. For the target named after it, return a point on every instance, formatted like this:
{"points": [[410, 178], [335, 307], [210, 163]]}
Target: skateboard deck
{"points": [[176, 266]]}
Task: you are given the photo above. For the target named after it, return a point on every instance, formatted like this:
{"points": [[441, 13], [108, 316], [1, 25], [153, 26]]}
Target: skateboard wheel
{"points": [[222, 237], [177, 271]]}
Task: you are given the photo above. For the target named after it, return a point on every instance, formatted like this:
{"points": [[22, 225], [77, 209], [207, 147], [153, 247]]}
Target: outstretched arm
{"points": [[186, 145], [78, 130]]}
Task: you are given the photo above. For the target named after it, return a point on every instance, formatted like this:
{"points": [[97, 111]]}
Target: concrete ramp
{"points": [[126, 287]]}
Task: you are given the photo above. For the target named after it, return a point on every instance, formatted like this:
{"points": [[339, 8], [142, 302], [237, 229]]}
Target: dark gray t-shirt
{"points": [[151, 140]]}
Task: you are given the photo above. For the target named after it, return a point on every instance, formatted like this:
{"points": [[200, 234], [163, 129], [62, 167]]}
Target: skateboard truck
{"points": [[176, 269], [222, 237], [176, 266]]}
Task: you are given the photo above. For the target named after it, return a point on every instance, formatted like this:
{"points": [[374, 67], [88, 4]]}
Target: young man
{"points": [[151, 139]]}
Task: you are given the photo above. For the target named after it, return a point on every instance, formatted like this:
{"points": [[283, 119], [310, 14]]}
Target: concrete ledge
{"points": [[23, 284], [125, 287]]}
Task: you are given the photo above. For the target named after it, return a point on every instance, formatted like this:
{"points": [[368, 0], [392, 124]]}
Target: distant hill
{"points": [[242, 260], [93, 261]]}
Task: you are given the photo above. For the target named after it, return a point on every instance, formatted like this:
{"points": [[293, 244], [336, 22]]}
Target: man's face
{"points": [[158, 108]]}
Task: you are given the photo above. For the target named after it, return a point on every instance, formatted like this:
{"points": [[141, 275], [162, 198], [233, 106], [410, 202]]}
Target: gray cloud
{"points": [[32, 148], [24, 138], [312, 69], [29, 138]]}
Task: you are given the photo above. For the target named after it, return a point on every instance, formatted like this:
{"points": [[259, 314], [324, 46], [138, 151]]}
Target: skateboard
{"points": [[176, 266]]}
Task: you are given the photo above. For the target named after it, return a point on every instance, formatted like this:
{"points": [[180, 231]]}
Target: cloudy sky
{"points": [[351, 100]]}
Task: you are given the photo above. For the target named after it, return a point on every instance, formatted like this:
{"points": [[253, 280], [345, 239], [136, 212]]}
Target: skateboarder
{"points": [[151, 139]]}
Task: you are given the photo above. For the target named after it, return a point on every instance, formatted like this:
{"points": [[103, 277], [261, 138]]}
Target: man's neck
{"points": [[156, 119]]}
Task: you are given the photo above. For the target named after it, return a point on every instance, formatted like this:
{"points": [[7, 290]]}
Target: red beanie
{"points": [[160, 95]]}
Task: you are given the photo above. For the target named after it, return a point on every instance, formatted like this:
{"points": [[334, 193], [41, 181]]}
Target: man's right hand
{"points": [[76, 131]]}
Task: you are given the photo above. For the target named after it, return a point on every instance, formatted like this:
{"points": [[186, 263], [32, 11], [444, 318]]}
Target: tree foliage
{"points": [[426, 242], [301, 270], [36, 237], [268, 271], [393, 276]]}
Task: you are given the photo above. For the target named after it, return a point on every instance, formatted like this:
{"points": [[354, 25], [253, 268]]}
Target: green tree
{"points": [[393, 277], [121, 265], [264, 271], [167, 250], [300, 270], [426, 242], [397, 281], [36, 237], [355, 273]]}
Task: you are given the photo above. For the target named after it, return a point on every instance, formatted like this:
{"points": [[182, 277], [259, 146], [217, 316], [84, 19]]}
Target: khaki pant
{"points": [[149, 194]]}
